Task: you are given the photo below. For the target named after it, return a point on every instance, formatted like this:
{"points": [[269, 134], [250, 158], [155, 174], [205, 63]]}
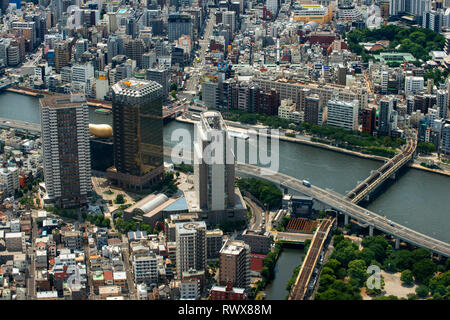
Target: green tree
{"points": [[120, 199], [412, 296], [327, 270], [426, 147], [423, 270], [406, 276], [422, 291], [357, 270], [332, 264]]}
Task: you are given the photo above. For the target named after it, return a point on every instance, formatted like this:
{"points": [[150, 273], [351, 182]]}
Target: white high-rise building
{"points": [[229, 18], [343, 114], [213, 171], [384, 81], [191, 246], [396, 7], [145, 269], [413, 85], [442, 103], [66, 149], [9, 180], [81, 73]]}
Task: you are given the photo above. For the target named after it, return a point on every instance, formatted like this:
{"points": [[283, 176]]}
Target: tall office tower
{"points": [[396, 7], [229, 18], [134, 50], [138, 133], [312, 108], [112, 48], [111, 17], [191, 246], [211, 94], [148, 60], [62, 55], [417, 9], [384, 120], [343, 114], [66, 152], [368, 119], [81, 47], [235, 264], [442, 103], [131, 28], [213, 171], [433, 20], [160, 76], [179, 24]]}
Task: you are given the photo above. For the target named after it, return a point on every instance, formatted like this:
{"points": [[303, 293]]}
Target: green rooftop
{"points": [[399, 57], [98, 276]]}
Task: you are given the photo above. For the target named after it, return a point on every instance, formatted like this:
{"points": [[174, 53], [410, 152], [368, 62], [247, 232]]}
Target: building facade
{"points": [[138, 134], [66, 151]]}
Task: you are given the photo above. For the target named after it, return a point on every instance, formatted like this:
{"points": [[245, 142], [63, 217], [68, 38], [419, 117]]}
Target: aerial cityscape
{"points": [[225, 150]]}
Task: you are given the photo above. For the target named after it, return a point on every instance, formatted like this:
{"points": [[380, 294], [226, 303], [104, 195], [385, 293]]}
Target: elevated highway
{"points": [[341, 204]]}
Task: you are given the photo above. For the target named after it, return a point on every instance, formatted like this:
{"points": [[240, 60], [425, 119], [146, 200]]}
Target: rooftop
{"points": [[135, 88], [63, 101]]}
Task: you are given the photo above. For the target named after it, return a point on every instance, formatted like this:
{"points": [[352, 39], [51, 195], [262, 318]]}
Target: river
{"points": [[419, 200], [289, 259]]}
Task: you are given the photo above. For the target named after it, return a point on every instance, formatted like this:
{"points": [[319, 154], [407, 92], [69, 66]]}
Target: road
{"points": [[31, 284], [197, 67], [128, 268], [257, 213], [90, 283], [8, 123], [339, 203]]}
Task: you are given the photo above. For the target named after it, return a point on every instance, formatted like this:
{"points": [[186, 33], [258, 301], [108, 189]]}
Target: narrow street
{"points": [[128, 268], [31, 285], [257, 214]]}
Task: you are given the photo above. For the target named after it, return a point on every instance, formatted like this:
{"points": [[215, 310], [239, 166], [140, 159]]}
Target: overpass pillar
{"points": [[397, 243], [345, 219], [371, 231]]}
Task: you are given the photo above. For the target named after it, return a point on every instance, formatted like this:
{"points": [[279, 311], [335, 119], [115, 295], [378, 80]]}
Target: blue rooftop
{"points": [[178, 205], [136, 235]]}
